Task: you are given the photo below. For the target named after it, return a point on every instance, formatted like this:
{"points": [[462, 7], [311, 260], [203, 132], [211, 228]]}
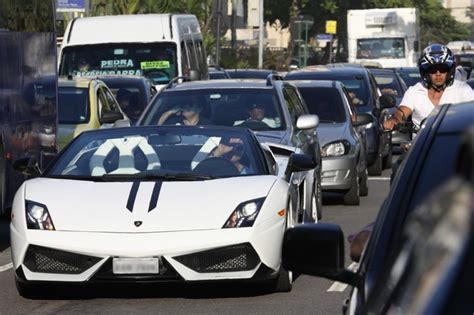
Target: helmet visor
{"points": [[435, 68]]}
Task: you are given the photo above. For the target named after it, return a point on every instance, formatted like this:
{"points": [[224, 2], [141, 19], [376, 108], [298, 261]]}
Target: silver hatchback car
{"points": [[342, 139]]}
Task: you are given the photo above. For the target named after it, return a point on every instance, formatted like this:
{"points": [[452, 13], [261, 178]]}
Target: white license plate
{"points": [[135, 265]]}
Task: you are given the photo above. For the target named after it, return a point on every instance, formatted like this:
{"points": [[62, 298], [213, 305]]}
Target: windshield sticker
{"points": [[94, 73], [160, 64], [119, 63]]}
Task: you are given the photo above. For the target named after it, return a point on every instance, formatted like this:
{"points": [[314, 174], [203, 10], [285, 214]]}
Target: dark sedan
{"points": [[399, 272], [250, 73]]}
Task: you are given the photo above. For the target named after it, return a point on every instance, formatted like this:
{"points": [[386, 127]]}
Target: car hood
{"points": [[275, 136], [329, 132], [76, 205]]}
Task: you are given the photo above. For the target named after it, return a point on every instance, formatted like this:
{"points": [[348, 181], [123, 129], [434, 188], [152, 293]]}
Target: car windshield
{"points": [[73, 105], [257, 109], [168, 153], [388, 84], [156, 61], [132, 99], [410, 78], [324, 102], [377, 48]]}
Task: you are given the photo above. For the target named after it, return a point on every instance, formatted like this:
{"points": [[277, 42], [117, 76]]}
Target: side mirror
{"points": [[317, 250], [307, 122], [27, 165], [387, 101], [110, 117], [363, 119], [298, 163], [194, 75]]}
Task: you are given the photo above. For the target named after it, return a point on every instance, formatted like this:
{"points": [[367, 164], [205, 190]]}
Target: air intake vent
{"points": [[48, 260], [241, 257]]}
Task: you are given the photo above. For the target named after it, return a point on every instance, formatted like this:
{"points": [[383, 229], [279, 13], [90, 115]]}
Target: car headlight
{"points": [[245, 214], [37, 216], [338, 148]]}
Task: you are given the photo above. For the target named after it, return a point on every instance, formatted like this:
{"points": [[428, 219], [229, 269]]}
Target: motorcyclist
{"points": [[437, 69]]}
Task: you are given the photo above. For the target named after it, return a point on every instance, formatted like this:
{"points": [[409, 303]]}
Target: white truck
{"points": [[389, 37]]}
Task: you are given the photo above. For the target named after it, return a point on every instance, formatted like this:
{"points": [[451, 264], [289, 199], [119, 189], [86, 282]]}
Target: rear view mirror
{"points": [[110, 117], [162, 139], [28, 166], [387, 101], [363, 119], [299, 163], [317, 250], [307, 122]]}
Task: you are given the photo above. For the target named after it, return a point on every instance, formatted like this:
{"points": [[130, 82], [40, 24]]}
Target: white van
{"points": [[158, 46]]}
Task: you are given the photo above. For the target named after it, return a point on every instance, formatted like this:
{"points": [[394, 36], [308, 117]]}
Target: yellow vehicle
{"points": [[85, 104]]}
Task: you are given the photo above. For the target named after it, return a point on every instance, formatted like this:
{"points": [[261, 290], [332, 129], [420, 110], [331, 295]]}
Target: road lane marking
{"points": [[6, 267], [379, 178], [339, 286]]}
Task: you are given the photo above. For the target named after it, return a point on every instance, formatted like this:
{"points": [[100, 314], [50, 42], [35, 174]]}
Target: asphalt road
{"points": [[310, 295]]}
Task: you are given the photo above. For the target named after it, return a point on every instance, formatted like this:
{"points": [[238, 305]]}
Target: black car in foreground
{"points": [[367, 98], [419, 257]]}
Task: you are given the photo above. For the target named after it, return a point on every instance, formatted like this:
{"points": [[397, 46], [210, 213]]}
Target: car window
{"points": [[292, 102], [166, 151], [225, 107], [73, 105], [324, 102], [110, 99], [388, 84]]}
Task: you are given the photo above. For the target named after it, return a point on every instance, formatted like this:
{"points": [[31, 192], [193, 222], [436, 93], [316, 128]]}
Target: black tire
{"points": [[364, 185], [387, 161], [376, 168], [351, 197]]}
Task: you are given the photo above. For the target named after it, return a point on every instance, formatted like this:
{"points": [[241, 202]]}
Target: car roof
{"points": [[458, 118], [122, 78], [221, 84], [82, 82], [321, 71], [382, 71], [315, 83]]}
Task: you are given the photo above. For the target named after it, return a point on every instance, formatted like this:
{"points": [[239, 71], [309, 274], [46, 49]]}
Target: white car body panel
{"points": [[179, 225]]}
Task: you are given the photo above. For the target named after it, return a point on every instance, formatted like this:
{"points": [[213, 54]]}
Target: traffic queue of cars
{"points": [[252, 155]]}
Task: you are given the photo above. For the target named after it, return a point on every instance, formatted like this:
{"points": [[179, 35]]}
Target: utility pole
{"points": [[260, 35], [218, 35]]}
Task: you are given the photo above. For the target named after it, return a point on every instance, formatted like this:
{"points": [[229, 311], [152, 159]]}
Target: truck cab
{"points": [[387, 36]]}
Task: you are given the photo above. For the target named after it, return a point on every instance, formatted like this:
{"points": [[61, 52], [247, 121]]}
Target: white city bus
{"points": [[158, 46]]}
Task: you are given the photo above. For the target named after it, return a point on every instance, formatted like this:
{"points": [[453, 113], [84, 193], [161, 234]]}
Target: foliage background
{"points": [[436, 23]]}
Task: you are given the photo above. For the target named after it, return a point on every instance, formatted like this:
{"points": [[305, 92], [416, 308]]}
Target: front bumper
{"points": [[337, 172], [209, 255]]}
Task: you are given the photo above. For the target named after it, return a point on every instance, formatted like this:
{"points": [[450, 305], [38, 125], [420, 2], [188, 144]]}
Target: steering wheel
{"points": [[254, 125], [216, 166]]}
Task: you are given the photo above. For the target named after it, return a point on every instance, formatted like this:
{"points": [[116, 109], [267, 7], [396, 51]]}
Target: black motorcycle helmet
{"points": [[436, 57]]}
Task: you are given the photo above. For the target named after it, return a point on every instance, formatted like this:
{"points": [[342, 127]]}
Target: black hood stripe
{"points": [[154, 196], [133, 195]]}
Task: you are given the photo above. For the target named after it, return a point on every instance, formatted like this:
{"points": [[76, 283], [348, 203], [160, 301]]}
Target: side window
{"points": [[102, 104], [294, 104], [112, 103], [271, 162], [185, 59], [202, 58], [348, 101], [291, 106], [193, 60], [375, 89]]}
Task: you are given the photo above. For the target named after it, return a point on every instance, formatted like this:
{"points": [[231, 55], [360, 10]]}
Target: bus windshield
{"points": [[378, 48], [156, 61]]}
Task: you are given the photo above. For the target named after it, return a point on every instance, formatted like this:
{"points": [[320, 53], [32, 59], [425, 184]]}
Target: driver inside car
{"points": [[256, 113], [232, 150]]}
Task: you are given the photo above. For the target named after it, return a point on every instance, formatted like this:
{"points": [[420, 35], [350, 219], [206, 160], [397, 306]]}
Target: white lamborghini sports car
{"points": [[153, 204]]}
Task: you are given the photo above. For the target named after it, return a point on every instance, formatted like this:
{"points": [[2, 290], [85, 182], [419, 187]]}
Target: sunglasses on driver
{"points": [[440, 68]]}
